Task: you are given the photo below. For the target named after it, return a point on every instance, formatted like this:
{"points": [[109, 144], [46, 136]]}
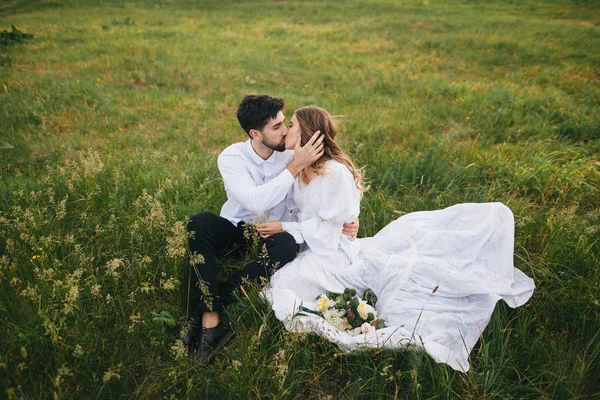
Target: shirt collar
{"points": [[256, 158]]}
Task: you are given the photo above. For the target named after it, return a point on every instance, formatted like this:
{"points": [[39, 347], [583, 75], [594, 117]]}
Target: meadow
{"points": [[111, 120]]}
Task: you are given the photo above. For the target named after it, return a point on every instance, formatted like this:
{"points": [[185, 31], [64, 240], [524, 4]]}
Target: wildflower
{"points": [[205, 294], [146, 287], [112, 373], [178, 350], [78, 352], [73, 294], [64, 371], [155, 215], [28, 292], [196, 259], [177, 242], [95, 290], [61, 208], [169, 284], [76, 275], [69, 239], [146, 260], [135, 320], [279, 365], [236, 364], [112, 266], [90, 163], [385, 371]]}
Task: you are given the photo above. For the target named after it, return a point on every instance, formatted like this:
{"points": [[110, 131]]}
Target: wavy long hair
{"points": [[312, 119]]}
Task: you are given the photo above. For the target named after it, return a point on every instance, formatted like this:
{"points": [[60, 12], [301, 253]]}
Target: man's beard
{"points": [[274, 146]]}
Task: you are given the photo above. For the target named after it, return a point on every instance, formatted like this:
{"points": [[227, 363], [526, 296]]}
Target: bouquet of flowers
{"points": [[349, 313]]}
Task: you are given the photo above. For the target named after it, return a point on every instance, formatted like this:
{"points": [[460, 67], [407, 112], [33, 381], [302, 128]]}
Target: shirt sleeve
{"points": [[239, 184], [339, 203]]}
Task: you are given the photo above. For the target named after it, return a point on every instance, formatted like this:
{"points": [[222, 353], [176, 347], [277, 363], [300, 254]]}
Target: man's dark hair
{"points": [[256, 110]]}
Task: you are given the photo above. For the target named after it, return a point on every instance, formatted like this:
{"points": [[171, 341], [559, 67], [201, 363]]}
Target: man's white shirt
{"points": [[256, 188]]}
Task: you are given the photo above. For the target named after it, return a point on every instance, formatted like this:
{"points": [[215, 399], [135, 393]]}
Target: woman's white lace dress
{"points": [[465, 251]]}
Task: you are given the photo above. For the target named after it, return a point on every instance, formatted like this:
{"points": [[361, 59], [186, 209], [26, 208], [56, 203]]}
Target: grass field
{"points": [[111, 119]]}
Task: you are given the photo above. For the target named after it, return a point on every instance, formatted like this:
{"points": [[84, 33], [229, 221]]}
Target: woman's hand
{"points": [[351, 229], [269, 229]]}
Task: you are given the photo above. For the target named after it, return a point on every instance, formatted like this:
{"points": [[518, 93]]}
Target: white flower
{"points": [[335, 317], [367, 328], [364, 309], [333, 313], [322, 303]]}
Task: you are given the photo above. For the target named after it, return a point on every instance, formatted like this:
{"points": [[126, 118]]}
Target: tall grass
{"points": [[111, 119]]}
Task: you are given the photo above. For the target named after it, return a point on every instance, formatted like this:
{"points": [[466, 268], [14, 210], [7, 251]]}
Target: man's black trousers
{"points": [[215, 236]]}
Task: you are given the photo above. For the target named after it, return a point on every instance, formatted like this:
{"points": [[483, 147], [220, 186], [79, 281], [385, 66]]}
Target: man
{"points": [[257, 175]]}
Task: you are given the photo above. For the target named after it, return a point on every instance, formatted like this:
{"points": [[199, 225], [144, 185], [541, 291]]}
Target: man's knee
{"points": [[282, 247], [198, 222]]}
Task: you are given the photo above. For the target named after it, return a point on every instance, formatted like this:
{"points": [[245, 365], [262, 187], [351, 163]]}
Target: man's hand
{"points": [[269, 229], [306, 155], [351, 229]]}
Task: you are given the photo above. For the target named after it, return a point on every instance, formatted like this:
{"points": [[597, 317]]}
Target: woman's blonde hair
{"points": [[312, 119]]}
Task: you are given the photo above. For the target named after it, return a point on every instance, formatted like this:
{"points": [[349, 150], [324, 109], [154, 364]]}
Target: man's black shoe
{"points": [[190, 333], [211, 341]]}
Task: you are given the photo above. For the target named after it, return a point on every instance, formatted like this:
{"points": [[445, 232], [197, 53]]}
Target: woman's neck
{"points": [[308, 174]]}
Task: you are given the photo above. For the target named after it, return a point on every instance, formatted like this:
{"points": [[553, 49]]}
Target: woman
{"points": [[437, 274]]}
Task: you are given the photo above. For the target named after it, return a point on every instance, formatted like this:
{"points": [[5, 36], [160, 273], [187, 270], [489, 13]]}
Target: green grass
{"points": [[116, 115]]}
